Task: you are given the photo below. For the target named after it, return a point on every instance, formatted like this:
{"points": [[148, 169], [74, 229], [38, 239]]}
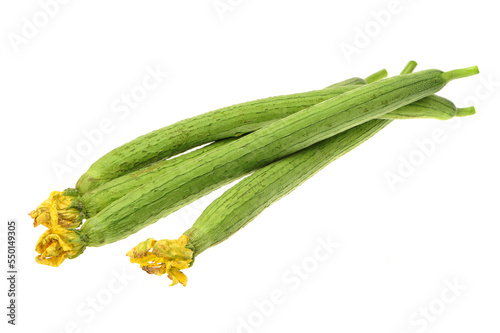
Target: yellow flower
{"points": [[57, 210], [56, 244], [165, 256]]}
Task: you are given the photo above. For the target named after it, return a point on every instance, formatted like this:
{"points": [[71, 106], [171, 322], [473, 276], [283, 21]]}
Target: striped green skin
{"points": [[193, 132], [93, 201], [201, 175], [97, 199], [433, 107], [190, 133], [243, 202], [354, 81], [188, 130], [246, 200]]}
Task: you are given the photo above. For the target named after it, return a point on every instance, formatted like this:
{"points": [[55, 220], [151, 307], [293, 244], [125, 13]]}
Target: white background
{"points": [[399, 248]]}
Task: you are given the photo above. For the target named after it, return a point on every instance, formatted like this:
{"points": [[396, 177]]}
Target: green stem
{"points": [[460, 73], [464, 112], [381, 74], [409, 68]]}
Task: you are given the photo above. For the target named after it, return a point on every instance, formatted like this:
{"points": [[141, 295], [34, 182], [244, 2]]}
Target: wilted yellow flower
{"points": [[57, 210], [165, 256], [57, 244]]}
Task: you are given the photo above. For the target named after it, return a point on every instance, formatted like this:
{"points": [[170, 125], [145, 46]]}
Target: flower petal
{"points": [[163, 257], [57, 244], [57, 210]]}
